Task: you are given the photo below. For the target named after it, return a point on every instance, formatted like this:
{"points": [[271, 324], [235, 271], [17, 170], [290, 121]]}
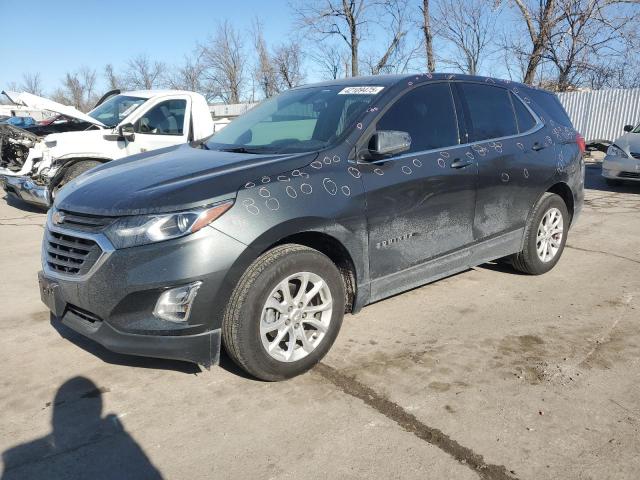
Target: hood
{"points": [[629, 142], [169, 179], [38, 103]]}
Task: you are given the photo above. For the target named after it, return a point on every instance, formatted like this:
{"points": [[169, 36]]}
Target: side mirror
{"points": [[127, 132], [628, 128], [389, 142]]}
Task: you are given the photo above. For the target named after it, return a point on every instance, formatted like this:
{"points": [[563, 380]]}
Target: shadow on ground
{"points": [[82, 443]]}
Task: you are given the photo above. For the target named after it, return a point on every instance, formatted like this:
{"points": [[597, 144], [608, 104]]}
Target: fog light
{"points": [[175, 304]]}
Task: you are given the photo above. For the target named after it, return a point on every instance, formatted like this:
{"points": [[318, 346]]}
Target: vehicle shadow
{"points": [[114, 358], [82, 443]]}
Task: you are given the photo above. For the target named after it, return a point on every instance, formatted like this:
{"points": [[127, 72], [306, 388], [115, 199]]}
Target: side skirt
{"points": [[446, 265]]}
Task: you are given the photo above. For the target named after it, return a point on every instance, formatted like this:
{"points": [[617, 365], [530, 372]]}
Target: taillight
{"points": [[582, 145]]}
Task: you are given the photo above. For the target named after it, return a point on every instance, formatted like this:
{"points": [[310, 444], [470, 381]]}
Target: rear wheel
{"points": [[545, 236], [285, 313]]}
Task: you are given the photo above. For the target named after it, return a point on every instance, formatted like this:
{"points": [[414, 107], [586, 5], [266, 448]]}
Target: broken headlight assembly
{"points": [[144, 229]]}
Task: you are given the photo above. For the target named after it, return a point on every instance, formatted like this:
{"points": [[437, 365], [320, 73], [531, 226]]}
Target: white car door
{"points": [[164, 124]]}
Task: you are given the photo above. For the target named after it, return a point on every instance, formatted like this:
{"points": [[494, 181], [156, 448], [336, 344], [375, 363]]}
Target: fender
{"points": [[65, 162], [354, 246]]}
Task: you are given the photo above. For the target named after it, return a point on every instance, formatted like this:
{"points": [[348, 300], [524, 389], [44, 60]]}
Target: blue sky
{"points": [[55, 36]]}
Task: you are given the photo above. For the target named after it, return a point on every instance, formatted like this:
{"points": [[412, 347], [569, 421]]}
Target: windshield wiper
{"points": [[240, 150]]}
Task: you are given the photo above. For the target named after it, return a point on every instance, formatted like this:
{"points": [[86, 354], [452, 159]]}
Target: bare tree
{"points": [[143, 73], [287, 60], [112, 80], [265, 70], [78, 89], [590, 35], [329, 59], [344, 19], [32, 83], [540, 18], [189, 75], [392, 17], [468, 26], [428, 35], [224, 63]]}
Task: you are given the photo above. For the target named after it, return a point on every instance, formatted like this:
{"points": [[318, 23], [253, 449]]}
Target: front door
{"points": [[163, 125], [420, 204]]}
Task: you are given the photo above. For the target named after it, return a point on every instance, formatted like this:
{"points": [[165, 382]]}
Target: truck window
{"points": [[427, 114], [166, 118], [489, 111]]}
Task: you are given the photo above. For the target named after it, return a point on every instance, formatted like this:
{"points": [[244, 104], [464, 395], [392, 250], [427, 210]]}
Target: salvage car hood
{"points": [[38, 103], [169, 179]]}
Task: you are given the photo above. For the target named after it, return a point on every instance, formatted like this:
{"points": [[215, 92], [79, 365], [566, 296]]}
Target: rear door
{"points": [[504, 138], [420, 203]]}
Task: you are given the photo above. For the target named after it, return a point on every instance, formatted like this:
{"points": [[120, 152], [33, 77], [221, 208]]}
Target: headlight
{"points": [[141, 230], [616, 151]]}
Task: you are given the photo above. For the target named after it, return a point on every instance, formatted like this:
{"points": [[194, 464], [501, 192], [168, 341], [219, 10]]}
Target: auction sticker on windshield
{"points": [[360, 90]]}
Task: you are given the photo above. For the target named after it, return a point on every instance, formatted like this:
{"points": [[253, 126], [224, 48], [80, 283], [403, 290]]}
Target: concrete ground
{"points": [[487, 374]]}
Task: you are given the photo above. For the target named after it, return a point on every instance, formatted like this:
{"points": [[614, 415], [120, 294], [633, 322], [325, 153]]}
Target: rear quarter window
{"points": [[551, 107], [524, 118]]}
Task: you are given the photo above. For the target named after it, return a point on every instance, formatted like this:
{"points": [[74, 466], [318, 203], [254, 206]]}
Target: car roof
{"points": [[391, 80], [155, 93]]}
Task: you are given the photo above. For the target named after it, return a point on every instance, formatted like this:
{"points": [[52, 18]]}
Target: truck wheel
{"points": [[545, 236], [72, 172], [612, 182], [285, 312]]}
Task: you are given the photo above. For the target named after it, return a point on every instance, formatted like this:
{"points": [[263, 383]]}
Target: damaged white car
{"points": [[33, 168]]}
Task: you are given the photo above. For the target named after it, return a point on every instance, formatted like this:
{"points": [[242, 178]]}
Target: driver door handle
{"points": [[537, 147], [461, 163]]}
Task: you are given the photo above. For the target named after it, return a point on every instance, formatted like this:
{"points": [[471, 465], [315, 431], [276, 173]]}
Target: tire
{"points": [[248, 316], [612, 182], [72, 172], [529, 260]]}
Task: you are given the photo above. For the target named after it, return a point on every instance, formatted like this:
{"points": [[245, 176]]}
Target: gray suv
{"points": [[314, 204]]}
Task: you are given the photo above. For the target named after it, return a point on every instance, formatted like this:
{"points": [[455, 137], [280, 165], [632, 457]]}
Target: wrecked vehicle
{"points": [[34, 168], [315, 203]]}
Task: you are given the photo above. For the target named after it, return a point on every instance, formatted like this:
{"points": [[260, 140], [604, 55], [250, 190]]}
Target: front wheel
{"points": [[285, 312], [72, 172], [545, 236]]}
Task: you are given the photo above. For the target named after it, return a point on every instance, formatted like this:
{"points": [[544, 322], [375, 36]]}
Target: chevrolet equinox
{"points": [[315, 203]]}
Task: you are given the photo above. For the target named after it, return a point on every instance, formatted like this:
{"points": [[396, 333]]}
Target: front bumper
{"points": [[113, 302], [618, 168], [24, 189]]}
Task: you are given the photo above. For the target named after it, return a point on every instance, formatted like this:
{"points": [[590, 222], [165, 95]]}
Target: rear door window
{"points": [[524, 118], [488, 111], [427, 114]]}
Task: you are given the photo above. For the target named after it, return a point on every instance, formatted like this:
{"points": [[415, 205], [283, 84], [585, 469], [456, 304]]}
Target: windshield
{"points": [[117, 108], [636, 130], [300, 120]]}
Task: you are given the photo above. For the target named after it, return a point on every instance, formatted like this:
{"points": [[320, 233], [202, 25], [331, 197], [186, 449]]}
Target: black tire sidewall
{"points": [[551, 201], [257, 360]]}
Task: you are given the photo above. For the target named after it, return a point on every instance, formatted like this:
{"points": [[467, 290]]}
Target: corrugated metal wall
{"points": [[601, 114]]}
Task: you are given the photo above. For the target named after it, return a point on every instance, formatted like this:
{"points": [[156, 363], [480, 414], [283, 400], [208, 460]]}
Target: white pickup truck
{"points": [[33, 168]]}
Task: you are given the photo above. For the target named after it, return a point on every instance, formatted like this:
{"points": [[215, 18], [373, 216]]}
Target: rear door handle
{"points": [[537, 147], [461, 163]]}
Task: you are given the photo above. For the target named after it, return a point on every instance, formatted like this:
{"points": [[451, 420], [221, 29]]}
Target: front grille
{"points": [[86, 223], [635, 155], [69, 254], [629, 174]]}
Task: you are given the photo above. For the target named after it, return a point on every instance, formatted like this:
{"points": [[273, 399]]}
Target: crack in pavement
{"points": [[411, 424], [622, 257]]}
